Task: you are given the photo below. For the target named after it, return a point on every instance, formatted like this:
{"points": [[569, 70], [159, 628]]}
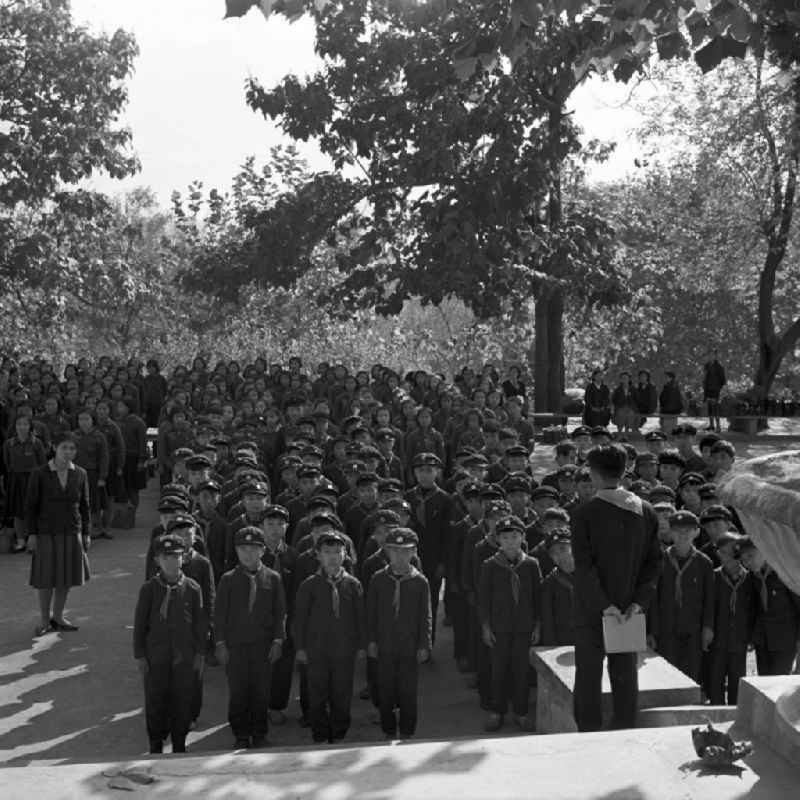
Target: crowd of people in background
{"points": [[312, 521]]}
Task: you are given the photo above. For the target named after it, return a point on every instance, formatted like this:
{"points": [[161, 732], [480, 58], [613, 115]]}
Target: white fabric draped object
{"points": [[765, 492]]}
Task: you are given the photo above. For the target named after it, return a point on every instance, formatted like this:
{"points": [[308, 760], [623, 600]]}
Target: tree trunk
{"points": [[549, 352], [541, 349]]}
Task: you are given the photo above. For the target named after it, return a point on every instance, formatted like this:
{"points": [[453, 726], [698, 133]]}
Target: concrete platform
{"points": [[645, 764], [660, 685], [769, 709]]}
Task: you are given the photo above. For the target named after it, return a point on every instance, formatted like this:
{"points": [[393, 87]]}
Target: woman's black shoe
{"points": [[64, 625]]}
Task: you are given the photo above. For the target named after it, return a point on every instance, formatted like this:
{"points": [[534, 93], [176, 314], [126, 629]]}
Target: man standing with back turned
{"points": [[617, 564]]}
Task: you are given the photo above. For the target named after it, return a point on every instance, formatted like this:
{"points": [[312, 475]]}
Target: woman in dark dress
{"points": [[59, 530], [597, 398]]}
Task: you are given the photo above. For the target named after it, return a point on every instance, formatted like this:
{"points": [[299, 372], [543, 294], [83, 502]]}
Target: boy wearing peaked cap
{"points": [[463, 649], [250, 628], [399, 625], [330, 633], [735, 600], [683, 625], [684, 436], [255, 497], [715, 521], [671, 465], [509, 608], [776, 630], [558, 590], [169, 639], [212, 525], [689, 492], [480, 545], [198, 568], [656, 442], [432, 510], [281, 558]]}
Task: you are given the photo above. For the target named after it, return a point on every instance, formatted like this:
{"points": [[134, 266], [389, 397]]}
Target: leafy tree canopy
{"points": [[62, 90]]}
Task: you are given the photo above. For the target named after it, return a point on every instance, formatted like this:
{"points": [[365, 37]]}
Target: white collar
{"points": [[52, 465]]}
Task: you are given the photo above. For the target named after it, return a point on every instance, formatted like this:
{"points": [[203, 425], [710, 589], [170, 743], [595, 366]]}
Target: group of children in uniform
{"points": [[319, 543]]}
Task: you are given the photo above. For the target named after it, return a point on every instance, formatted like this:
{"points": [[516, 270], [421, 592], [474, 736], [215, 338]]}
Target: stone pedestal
{"points": [[769, 711], [660, 685]]}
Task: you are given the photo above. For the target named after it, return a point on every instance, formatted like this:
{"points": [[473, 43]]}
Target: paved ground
{"points": [[654, 764], [77, 697]]}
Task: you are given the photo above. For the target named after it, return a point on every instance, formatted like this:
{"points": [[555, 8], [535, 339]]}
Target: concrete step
{"points": [[644, 764], [685, 715]]}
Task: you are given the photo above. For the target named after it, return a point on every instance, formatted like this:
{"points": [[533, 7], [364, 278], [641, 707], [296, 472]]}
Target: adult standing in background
{"points": [[58, 520], [646, 397], [624, 402], [154, 393], [671, 402], [597, 401], [713, 382]]}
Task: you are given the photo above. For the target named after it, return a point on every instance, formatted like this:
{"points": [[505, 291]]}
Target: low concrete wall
{"points": [[660, 686]]}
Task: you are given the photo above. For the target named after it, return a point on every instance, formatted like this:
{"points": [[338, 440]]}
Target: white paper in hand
{"points": [[628, 636]]}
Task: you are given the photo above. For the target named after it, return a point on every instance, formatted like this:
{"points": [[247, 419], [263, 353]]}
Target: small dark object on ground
{"points": [[716, 748]]}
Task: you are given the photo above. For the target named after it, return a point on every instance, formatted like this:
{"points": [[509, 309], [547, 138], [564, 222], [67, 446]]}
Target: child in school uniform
{"points": [[463, 649], [330, 634], [250, 628], [474, 556], [558, 591], [777, 621], [684, 619], [509, 603], [399, 625], [734, 614], [169, 640], [664, 512], [715, 521], [281, 558], [198, 568], [212, 524]]}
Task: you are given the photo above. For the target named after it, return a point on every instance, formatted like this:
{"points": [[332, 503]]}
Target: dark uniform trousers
{"points": [[372, 681], [457, 605], [249, 674], [684, 651], [509, 672], [622, 672], [330, 694], [168, 691], [282, 673], [726, 669], [774, 662], [398, 677]]}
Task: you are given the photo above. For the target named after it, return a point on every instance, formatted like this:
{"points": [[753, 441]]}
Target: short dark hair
{"points": [[566, 448], [608, 460]]}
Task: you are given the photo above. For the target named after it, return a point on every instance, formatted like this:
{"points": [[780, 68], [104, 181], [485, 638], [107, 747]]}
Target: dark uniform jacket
{"points": [[179, 637], [53, 511], [236, 623], [432, 514], [558, 599], [617, 555], [696, 608], [734, 610], [497, 606], [321, 633], [777, 624], [403, 628]]}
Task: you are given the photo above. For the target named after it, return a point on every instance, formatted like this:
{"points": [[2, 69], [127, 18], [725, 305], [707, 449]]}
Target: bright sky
{"points": [[187, 107]]}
